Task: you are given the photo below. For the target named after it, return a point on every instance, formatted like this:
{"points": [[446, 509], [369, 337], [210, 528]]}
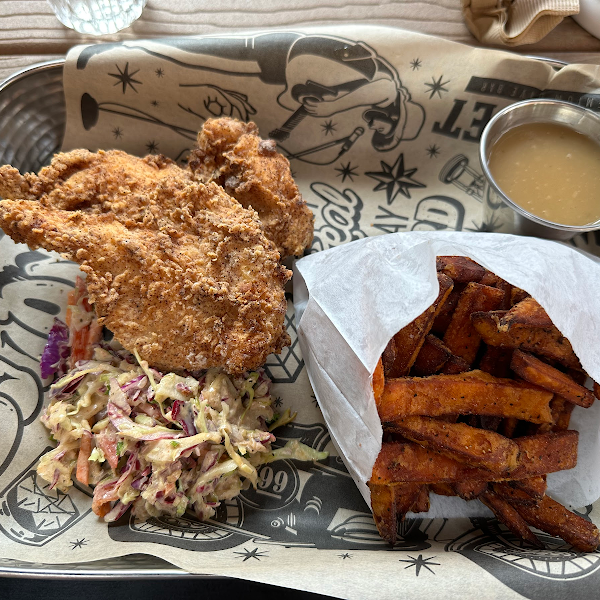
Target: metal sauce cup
{"points": [[500, 212]]}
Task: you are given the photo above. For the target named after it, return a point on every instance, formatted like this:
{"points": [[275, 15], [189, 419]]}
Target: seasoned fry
{"points": [[516, 295], [469, 490], [461, 337], [383, 505], [442, 489], [388, 357], [421, 504], [406, 497], [496, 361], [558, 450], [563, 418], [390, 503], [507, 291], [508, 515], [535, 371], [455, 365], [493, 280], [526, 326], [555, 519], [474, 392], [475, 447], [431, 358], [409, 462], [441, 322], [529, 312], [559, 413], [460, 268], [514, 494], [409, 339], [490, 279], [378, 381], [534, 486]]}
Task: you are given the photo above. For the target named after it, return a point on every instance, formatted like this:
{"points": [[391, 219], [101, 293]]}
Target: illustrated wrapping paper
{"points": [[381, 128]]}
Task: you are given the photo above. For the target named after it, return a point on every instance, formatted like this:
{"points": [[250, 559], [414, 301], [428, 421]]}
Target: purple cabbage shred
{"points": [[57, 350]]}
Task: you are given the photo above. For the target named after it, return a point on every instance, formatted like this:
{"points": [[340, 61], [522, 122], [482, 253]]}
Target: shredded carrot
{"points": [[79, 345], [84, 338], [101, 509], [83, 465], [71, 301], [109, 448], [101, 503], [94, 336]]}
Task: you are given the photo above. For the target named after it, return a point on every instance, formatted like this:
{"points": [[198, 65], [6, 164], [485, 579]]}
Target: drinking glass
{"points": [[97, 17]]}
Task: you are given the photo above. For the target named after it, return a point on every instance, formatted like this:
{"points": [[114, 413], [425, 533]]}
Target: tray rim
{"points": [[60, 62], [54, 572], [30, 70]]}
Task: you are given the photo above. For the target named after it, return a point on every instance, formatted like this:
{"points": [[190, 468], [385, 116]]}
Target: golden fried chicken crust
{"points": [[176, 269], [98, 183], [254, 173]]}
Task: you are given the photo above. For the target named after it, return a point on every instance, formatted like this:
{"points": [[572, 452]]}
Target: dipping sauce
{"points": [[549, 170]]}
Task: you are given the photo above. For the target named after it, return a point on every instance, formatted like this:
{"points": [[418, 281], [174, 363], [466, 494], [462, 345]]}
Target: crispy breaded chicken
{"points": [[176, 269], [98, 183], [254, 173]]}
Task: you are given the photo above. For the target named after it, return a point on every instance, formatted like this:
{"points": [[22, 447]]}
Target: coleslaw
{"points": [[157, 443]]}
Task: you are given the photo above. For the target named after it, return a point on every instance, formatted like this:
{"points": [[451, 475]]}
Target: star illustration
{"points": [[395, 179], [159, 72], [346, 171], [486, 226], [328, 127], [418, 563], [436, 87], [152, 147], [345, 555], [118, 133], [78, 543], [432, 151], [278, 401], [247, 554], [415, 64], [125, 78], [155, 103]]}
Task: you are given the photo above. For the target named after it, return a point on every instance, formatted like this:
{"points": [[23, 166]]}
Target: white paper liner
{"points": [[352, 299]]}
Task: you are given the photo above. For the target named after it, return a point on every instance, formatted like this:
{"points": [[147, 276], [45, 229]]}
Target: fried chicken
{"points": [[176, 269], [101, 182], [254, 173]]}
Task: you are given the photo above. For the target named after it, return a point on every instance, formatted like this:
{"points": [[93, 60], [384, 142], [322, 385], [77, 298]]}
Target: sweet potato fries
{"points": [[475, 398]]}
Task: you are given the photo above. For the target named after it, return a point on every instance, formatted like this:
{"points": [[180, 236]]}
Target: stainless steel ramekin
{"points": [[500, 212]]}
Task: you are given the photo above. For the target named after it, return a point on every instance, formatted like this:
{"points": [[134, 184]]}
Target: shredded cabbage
{"points": [[161, 443], [57, 350]]}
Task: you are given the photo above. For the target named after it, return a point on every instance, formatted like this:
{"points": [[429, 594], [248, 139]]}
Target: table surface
{"points": [[30, 33]]}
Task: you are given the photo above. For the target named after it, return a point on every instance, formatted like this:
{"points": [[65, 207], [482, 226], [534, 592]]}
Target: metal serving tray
{"points": [[32, 122]]}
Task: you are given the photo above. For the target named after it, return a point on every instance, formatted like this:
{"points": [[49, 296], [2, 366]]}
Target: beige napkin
{"points": [[515, 22]]}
